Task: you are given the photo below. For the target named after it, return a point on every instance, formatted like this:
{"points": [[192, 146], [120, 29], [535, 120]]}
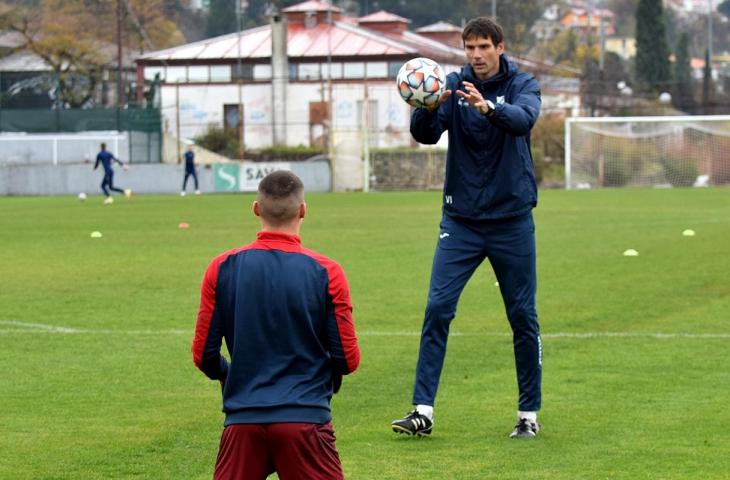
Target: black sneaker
{"points": [[525, 429], [413, 424]]}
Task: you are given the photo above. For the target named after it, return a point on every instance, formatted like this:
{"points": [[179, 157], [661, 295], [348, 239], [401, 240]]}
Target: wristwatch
{"points": [[490, 109]]}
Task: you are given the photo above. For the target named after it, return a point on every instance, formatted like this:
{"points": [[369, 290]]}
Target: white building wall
{"points": [[201, 105]]}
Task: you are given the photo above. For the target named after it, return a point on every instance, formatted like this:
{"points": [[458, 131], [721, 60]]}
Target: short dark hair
{"points": [[103, 146], [279, 196], [483, 27]]}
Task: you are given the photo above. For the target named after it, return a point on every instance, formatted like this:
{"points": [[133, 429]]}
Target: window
{"points": [[198, 73], [393, 69], [220, 73], [176, 74], [245, 72], [151, 72], [377, 69], [262, 72], [309, 71], [354, 70], [336, 69]]}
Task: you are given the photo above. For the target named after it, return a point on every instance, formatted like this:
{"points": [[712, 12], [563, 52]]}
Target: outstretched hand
{"points": [[125, 167], [473, 97], [446, 94]]}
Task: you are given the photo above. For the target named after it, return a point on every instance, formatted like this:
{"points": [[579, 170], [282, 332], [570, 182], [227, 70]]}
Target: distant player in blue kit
{"points": [[106, 159], [190, 170], [489, 194]]}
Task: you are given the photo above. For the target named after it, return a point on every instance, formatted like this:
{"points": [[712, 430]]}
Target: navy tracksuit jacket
{"points": [[489, 194], [286, 317]]}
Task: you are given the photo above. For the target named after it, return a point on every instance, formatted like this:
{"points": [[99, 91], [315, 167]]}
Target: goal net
{"points": [[647, 151]]}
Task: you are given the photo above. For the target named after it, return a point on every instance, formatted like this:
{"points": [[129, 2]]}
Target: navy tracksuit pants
{"points": [[189, 173], [107, 184], [509, 244]]}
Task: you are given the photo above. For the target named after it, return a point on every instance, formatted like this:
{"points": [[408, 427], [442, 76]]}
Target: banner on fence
{"points": [[245, 177]]}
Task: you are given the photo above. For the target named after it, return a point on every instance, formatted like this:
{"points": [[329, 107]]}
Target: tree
{"points": [[652, 52], [74, 38], [221, 18], [683, 97], [55, 31], [147, 28], [516, 17], [724, 8], [561, 49]]}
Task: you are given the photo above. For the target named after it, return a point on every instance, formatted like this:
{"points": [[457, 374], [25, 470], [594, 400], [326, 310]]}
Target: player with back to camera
{"points": [[286, 317], [106, 158], [489, 194]]}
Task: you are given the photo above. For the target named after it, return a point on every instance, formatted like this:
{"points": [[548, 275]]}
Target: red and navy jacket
{"points": [[286, 317]]}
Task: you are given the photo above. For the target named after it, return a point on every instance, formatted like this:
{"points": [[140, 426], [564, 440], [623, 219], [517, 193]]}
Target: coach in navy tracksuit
{"points": [[489, 194], [286, 317]]}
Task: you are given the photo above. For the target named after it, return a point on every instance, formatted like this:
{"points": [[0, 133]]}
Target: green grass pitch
{"points": [[97, 380]]}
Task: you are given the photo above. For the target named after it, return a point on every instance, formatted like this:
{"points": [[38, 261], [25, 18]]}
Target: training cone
{"points": [[688, 233], [183, 225], [95, 234], [631, 253]]}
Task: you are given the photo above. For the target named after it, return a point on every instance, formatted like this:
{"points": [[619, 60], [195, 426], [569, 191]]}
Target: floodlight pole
{"points": [[601, 42], [119, 54], [330, 103], [238, 81], [120, 87], [709, 34], [366, 138]]}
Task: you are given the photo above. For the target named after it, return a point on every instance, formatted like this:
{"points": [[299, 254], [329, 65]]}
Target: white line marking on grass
{"points": [[34, 327], [26, 327], [556, 334]]}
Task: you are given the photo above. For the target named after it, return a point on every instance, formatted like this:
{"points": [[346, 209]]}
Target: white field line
{"points": [[14, 326]]}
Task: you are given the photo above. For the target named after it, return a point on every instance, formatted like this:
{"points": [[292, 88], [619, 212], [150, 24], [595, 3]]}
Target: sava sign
{"points": [[245, 177]]}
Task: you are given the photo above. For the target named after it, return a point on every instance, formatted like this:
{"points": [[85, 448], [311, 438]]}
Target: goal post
{"points": [[660, 151]]}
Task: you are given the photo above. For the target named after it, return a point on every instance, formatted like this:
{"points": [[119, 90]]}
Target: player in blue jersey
{"points": [[489, 194], [106, 158], [190, 171]]}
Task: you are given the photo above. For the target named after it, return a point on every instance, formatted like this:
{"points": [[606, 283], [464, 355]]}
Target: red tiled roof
{"points": [[341, 39], [382, 16], [311, 6], [438, 27]]}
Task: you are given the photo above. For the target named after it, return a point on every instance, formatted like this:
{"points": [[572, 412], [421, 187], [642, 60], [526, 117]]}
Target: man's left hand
{"points": [[473, 97]]}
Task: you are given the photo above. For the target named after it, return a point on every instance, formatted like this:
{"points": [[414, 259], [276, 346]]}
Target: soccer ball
{"points": [[420, 82], [82, 197]]}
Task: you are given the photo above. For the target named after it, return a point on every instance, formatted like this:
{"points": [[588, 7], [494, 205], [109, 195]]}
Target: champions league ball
{"points": [[82, 197], [420, 82]]}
